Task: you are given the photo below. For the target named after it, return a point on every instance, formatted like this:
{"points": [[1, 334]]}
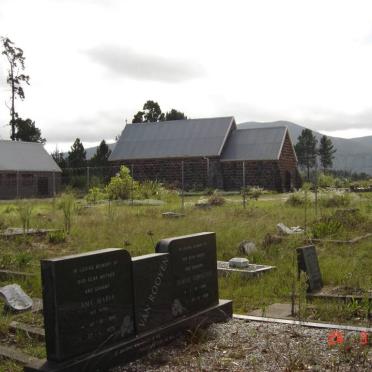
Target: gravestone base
{"points": [[251, 271], [133, 348]]}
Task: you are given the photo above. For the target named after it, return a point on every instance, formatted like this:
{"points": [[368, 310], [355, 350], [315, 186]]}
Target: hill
{"points": [[353, 154]]}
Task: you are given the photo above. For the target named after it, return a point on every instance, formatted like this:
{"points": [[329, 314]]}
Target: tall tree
{"points": [[77, 156], [151, 113], [306, 150], [100, 158], [59, 158], [15, 78], [175, 115], [326, 151], [27, 131]]}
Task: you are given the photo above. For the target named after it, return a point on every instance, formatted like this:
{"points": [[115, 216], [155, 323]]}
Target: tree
{"points": [[59, 158], [15, 78], [326, 151], [100, 158], [77, 155], [27, 131], [138, 118], [175, 115], [151, 113], [306, 150]]}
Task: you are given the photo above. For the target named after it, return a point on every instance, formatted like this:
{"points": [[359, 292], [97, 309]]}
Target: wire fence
{"points": [[184, 176]]}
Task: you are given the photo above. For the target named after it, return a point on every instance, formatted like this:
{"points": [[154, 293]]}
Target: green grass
{"points": [[131, 227]]}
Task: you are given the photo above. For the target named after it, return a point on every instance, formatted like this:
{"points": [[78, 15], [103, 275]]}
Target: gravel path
{"points": [[252, 346]]}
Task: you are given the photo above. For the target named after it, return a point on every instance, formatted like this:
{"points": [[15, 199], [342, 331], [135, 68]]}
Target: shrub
{"points": [[255, 192], [23, 259], [216, 200], [297, 199], [151, 190], [325, 180], [326, 227], [95, 194], [24, 209], [67, 204], [120, 186], [334, 200], [57, 237]]}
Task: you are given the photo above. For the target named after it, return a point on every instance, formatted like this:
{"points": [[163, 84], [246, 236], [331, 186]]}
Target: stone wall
{"points": [[28, 184]]}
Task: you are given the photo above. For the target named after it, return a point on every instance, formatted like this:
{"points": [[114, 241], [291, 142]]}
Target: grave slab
{"points": [[250, 271], [87, 301], [194, 272], [307, 261], [126, 351]]}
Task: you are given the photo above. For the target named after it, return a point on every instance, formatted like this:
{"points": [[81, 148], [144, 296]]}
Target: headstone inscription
{"points": [[88, 302], [194, 271], [307, 261], [152, 290]]}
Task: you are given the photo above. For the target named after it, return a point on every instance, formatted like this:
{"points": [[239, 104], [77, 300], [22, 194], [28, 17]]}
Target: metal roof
{"points": [[254, 144], [26, 156], [173, 139]]}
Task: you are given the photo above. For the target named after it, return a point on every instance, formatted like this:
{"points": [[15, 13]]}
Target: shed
{"points": [[27, 170]]}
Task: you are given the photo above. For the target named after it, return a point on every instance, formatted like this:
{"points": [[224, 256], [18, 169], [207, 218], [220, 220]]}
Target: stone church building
{"points": [[210, 152]]}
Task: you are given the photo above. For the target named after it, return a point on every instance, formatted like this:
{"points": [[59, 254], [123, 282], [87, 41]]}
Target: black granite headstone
{"points": [[307, 261], [193, 262], [88, 302], [152, 291]]}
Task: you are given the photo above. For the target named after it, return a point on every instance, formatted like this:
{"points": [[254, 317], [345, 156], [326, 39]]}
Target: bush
{"points": [[95, 194], [255, 192], [216, 200], [56, 237], [120, 186], [326, 227], [24, 209], [334, 200], [67, 204], [151, 190], [297, 199], [325, 180]]}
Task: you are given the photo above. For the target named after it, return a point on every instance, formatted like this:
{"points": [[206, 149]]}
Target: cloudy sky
{"points": [[93, 63]]}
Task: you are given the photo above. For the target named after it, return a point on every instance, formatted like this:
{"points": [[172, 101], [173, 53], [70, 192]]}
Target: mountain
{"points": [[354, 154]]}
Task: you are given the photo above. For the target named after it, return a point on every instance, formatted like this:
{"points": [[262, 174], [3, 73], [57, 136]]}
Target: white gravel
{"points": [[252, 346]]}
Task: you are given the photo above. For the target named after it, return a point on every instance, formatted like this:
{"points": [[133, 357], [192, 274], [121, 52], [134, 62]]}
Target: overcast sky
{"points": [[93, 63]]}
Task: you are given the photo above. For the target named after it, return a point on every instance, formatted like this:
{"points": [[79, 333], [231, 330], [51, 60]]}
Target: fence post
{"points": [[244, 196], [17, 182], [182, 183], [132, 171], [316, 189], [54, 184], [88, 178]]}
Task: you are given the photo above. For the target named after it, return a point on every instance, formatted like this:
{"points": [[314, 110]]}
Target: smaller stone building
{"points": [[27, 170], [211, 152]]}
